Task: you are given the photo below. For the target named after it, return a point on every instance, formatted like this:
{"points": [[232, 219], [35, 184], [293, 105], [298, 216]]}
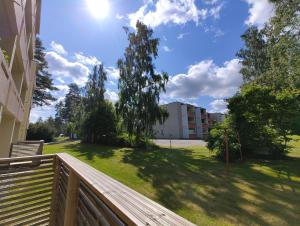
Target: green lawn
{"points": [[194, 185]]}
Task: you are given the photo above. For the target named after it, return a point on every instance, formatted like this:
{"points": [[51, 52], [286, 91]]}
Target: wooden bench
{"points": [[26, 148]]}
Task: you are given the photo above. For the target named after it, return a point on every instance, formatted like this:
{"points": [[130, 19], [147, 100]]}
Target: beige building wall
{"points": [[19, 24]]}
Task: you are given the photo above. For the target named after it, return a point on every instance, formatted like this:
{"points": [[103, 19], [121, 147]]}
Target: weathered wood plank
{"points": [[26, 158], [71, 199], [132, 207], [56, 169]]}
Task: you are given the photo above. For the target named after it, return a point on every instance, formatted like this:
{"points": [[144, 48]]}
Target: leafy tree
{"points": [[99, 125], [72, 100], [266, 109], [271, 56], [216, 140], [255, 59], [41, 130], [252, 112], [44, 83], [95, 116], [139, 84], [95, 87]]}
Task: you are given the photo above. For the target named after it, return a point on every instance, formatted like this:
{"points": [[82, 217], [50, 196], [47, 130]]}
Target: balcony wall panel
{"points": [[4, 82], [12, 101]]}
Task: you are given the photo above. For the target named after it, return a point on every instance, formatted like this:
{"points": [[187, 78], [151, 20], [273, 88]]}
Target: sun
{"points": [[98, 8]]}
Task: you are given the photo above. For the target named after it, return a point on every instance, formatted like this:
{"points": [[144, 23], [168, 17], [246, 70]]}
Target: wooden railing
{"points": [[62, 190]]}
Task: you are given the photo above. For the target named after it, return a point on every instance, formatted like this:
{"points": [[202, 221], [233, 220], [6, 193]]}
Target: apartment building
{"points": [[215, 118], [185, 121], [19, 24]]}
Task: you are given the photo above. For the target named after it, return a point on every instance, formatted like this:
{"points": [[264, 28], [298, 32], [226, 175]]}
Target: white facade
{"points": [[19, 24], [217, 117], [186, 121]]}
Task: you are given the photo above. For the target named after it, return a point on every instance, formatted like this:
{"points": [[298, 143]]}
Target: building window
{"points": [[192, 131], [191, 119], [202, 120]]}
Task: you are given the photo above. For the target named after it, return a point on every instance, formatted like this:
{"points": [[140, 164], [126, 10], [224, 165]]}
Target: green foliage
{"points": [[41, 130], [216, 141], [266, 110], [139, 84], [95, 87], [72, 100], [44, 83], [100, 125], [254, 116], [67, 118], [96, 118], [6, 56]]}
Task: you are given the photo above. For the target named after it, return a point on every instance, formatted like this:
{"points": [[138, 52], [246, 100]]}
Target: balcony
{"points": [[4, 81], [62, 190]]}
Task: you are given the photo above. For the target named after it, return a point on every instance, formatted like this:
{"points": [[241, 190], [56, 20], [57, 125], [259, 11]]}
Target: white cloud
{"points": [[111, 95], [61, 67], [218, 105], [260, 12], [58, 48], [168, 11], [215, 11], [206, 79], [112, 73], [119, 17], [86, 60], [63, 88], [181, 36], [210, 2], [41, 112], [66, 71], [166, 49]]}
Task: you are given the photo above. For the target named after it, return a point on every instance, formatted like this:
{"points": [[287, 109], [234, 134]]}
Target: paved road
{"points": [[180, 143]]}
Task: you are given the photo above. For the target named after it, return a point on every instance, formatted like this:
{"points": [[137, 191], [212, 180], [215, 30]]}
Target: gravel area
{"points": [[179, 143]]}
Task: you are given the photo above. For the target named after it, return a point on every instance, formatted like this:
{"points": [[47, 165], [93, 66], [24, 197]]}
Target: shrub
{"points": [[40, 131]]}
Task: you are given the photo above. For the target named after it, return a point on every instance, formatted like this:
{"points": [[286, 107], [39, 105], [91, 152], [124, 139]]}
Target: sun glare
{"points": [[98, 8]]}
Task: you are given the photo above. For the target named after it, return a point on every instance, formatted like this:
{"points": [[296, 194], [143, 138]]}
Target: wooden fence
{"points": [[62, 190]]}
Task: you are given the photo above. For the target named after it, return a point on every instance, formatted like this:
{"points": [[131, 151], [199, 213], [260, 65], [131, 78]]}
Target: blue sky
{"points": [[198, 44]]}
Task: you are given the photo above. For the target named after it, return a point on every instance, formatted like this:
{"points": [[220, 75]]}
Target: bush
{"points": [[40, 131]]}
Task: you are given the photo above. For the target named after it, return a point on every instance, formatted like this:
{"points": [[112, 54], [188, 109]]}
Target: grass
{"points": [[194, 185]]}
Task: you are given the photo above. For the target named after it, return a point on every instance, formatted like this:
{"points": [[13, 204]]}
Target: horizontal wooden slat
{"points": [[27, 218], [26, 190], [23, 169], [6, 176], [24, 198], [23, 205], [23, 211], [105, 210], [27, 158], [22, 179]]}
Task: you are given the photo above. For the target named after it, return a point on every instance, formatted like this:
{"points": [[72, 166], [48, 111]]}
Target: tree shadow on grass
{"points": [[91, 150], [185, 179]]}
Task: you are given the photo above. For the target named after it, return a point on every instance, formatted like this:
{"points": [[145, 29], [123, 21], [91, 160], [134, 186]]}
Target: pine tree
{"points": [[95, 87], [44, 83]]}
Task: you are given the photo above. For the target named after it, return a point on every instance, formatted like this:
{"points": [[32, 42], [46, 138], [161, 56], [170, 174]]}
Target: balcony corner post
{"points": [[71, 199], [56, 169]]}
